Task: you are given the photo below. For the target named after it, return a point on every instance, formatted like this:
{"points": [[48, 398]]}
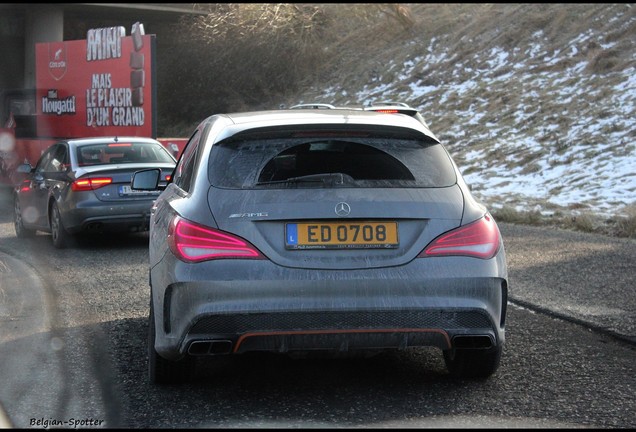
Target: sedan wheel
{"points": [[60, 237], [20, 230]]}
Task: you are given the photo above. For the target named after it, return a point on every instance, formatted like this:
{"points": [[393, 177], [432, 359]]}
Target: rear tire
{"points": [[162, 371], [473, 363], [18, 222], [61, 238]]}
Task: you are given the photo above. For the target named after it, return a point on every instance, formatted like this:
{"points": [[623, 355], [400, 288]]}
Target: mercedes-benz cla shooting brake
{"points": [[337, 232]]}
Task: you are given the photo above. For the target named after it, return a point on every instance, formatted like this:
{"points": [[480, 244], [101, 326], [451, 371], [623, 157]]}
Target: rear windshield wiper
{"points": [[326, 178]]}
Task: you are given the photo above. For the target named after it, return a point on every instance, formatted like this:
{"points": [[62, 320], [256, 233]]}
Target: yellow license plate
{"points": [[341, 235]]}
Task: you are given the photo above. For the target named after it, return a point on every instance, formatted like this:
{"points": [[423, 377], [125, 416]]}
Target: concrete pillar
{"points": [[43, 23]]}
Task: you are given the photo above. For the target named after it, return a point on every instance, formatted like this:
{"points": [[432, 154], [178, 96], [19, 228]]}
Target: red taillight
{"points": [[86, 184], [329, 134], [192, 242], [387, 111], [478, 239]]}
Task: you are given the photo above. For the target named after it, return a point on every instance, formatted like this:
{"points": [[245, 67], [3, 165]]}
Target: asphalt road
{"points": [[585, 278], [60, 325]]}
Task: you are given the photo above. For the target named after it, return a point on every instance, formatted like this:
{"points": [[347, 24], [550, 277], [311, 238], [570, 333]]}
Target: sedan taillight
{"points": [[192, 242], [86, 184], [478, 239]]}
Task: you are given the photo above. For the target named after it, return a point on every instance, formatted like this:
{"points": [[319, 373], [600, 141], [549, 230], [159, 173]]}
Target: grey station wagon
{"points": [[337, 231]]}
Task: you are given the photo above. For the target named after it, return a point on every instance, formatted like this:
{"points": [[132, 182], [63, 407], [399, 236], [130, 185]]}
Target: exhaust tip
{"points": [[213, 347], [472, 342], [94, 227]]}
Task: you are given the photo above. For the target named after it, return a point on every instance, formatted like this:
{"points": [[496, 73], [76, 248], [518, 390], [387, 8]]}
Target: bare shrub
{"points": [[583, 222], [399, 12], [627, 225], [603, 61], [239, 56], [510, 215], [260, 55]]}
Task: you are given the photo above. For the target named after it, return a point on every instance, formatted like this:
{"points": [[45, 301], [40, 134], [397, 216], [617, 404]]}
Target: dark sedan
{"points": [[83, 186]]}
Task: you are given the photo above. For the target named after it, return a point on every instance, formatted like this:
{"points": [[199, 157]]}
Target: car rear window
{"points": [[122, 153], [330, 162]]}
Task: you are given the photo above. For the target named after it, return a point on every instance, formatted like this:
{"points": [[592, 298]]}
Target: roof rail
{"points": [[313, 106]]}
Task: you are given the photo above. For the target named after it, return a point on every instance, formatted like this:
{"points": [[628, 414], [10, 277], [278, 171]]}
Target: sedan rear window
{"points": [[333, 162], [122, 153]]}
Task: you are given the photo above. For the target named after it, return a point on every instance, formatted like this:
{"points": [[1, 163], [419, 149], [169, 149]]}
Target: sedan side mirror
{"points": [[24, 168], [147, 180]]}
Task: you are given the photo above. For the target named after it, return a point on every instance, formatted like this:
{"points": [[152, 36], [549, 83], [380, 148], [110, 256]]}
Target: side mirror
{"points": [[20, 173], [147, 180], [24, 168]]}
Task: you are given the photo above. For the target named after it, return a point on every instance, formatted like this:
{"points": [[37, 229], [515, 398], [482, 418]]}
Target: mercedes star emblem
{"points": [[343, 209]]}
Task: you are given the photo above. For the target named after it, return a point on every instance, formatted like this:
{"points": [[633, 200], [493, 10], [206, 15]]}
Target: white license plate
{"points": [[127, 191]]}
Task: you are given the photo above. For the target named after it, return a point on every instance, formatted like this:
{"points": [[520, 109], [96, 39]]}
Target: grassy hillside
{"points": [[536, 102]]}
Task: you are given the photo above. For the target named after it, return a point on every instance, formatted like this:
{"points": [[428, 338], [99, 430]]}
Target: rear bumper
{"points": [[100, 216], [241, 306], [338, 331]]}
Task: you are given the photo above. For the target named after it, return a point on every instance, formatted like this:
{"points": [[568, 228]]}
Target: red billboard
{"points": [[101, 86]]}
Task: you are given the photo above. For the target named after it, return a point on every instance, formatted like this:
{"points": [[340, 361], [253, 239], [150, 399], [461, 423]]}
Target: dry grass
{"points": [[626, 224], [622, 225]]}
